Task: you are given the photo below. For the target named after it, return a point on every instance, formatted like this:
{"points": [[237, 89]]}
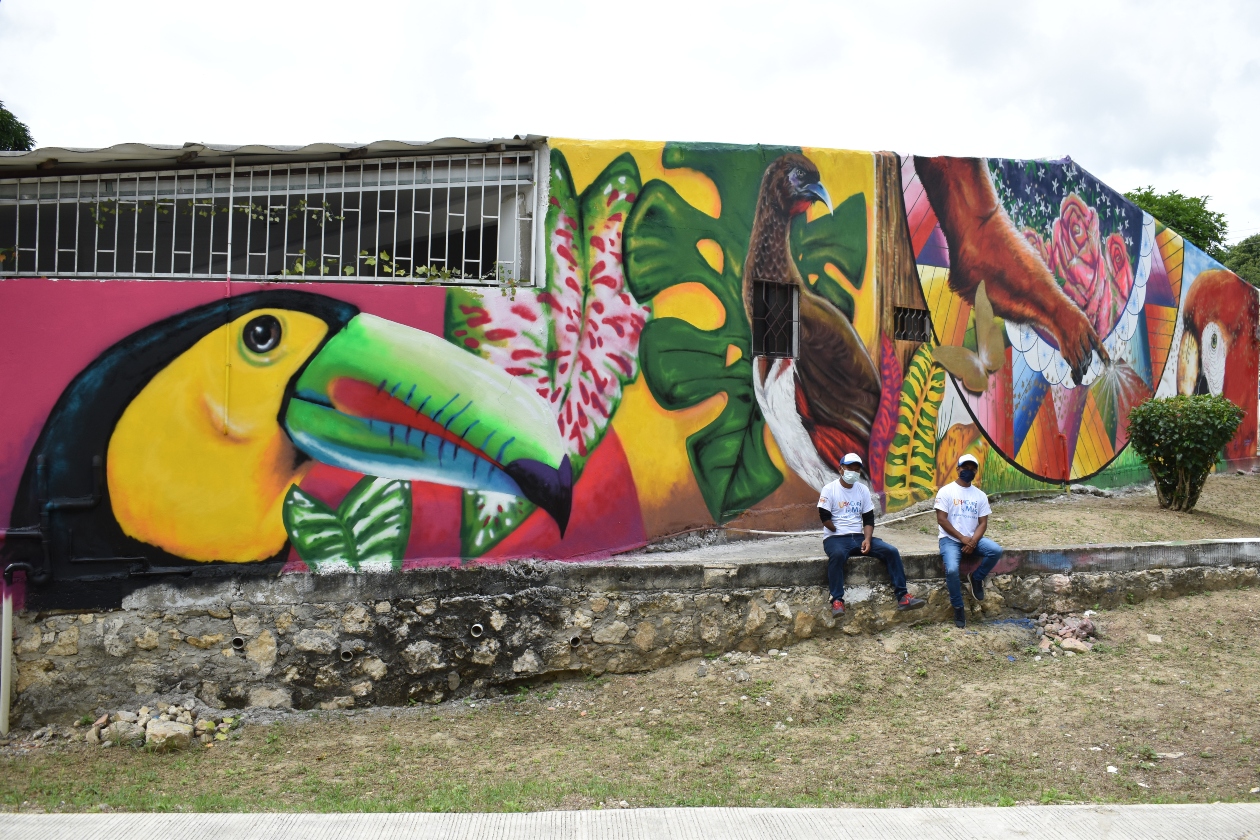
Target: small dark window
{"points": [[911, 324], [775, 319]]}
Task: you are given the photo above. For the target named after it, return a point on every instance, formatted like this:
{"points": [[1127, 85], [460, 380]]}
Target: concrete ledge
{"points": [[642, 573]]}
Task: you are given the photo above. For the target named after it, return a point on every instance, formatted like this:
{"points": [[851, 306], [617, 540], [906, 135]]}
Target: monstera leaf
{"points": [[576, 341], [367, 531], [684, 365], [910, 471], [838, 239]]}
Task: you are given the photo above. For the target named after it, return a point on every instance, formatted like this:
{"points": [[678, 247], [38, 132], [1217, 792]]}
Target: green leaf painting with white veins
{"points": [[367, 532], [683, 364]]}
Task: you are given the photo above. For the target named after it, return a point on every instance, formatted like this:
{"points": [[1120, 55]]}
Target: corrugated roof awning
{"points": [[136, 156]]}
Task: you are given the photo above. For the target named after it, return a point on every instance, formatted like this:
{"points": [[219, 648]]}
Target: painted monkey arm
{"points": [[984, 245]]}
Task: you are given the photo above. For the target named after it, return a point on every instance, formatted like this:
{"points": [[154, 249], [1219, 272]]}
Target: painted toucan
{"points": [[200, 424], [821, 405], [1219, 348]]}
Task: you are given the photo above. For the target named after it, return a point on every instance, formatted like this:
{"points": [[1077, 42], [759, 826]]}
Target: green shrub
{"points": [[1179, 439]]}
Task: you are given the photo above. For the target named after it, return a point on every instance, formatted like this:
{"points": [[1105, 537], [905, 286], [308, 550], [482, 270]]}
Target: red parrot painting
{"points": [[1220, 350]]}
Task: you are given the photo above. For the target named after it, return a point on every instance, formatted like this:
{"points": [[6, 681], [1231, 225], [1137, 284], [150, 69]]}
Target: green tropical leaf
{"points": [[838, 239], [910, 471], [575, 343], [684, 365], [488, 518], [367, 531]]}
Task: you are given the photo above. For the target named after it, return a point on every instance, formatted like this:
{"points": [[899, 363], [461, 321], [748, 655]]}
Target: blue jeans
{"points": [[987, 550], [839, 548]]}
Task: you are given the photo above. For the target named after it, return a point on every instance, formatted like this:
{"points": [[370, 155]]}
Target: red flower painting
{"points": [[1097, 278]]}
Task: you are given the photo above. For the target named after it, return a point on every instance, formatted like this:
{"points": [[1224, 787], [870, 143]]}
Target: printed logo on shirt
{"points": [[969, 506]]}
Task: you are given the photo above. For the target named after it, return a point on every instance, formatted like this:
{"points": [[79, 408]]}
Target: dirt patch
{"points": [[1229, 508], [922, 716]]}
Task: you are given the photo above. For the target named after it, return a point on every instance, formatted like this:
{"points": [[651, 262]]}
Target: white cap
{"points": [[964, 458], [851, 458]]}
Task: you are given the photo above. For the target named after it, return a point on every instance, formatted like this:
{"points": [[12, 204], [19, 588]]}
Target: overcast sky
{"points": [[1142, 92]]}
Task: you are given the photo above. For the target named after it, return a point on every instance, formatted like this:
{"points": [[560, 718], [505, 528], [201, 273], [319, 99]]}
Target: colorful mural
{"points": [[1110, 308], [168, 427]]}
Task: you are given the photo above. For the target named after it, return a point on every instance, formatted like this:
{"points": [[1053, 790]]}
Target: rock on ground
{"points": [[167, 735]]}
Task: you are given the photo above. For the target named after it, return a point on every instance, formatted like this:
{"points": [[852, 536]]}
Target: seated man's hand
{"points": [[866, 546], [969, 545]]}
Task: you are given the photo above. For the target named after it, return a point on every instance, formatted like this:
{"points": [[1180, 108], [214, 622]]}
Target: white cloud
{"points": [[1140, 92]]}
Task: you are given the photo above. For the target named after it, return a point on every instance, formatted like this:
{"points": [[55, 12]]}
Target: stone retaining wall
{"points": [[429, 635]]}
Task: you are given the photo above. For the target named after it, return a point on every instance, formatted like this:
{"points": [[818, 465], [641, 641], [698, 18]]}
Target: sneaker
{"points": [[837, 609], [909, 602], [960, 617], [976, 584]]}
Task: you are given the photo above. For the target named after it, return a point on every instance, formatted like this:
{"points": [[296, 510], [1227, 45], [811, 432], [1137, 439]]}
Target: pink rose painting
{"points": [[1118, 266], [1098, 279]]}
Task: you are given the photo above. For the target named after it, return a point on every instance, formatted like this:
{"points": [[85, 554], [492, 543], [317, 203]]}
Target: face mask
{"points": [[850, 476], [966, 475]]}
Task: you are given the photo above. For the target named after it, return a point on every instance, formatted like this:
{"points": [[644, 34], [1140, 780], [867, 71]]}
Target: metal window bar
{"points": [[776, 320], [458, 219], [911, 324]]}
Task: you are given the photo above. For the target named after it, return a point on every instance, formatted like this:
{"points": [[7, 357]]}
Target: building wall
{"points": [[633, 363]]}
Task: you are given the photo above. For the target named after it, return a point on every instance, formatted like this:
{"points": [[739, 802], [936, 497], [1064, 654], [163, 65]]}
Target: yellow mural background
{"points": [[654, 439]]}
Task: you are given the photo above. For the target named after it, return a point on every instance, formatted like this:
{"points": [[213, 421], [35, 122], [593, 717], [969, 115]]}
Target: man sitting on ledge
{"points": [[962, 515], [848, 517]]}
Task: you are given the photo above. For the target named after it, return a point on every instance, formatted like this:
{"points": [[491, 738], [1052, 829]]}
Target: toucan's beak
{"points": [[386, 400], [819, 192]]}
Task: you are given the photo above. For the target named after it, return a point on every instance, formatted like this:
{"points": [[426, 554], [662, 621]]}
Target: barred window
{"points": [[911, 324], [447, 219], [776, 320]]}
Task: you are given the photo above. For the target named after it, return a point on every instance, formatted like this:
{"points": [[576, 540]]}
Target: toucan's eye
{"points": [[262, 334]]}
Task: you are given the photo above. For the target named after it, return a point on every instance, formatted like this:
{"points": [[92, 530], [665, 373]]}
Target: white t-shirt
{"points": [[846, 505], [963, 507]]}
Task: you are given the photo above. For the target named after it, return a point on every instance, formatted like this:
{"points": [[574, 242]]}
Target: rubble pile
{"points": [[161, 727], [1066, 633], [164, 726]]}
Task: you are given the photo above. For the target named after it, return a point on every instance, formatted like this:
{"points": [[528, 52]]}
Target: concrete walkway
{"points": [[1140, 822]]}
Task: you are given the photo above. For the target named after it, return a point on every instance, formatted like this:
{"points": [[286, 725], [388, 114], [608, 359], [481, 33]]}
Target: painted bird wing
{"points": [[974, 367], [835, 374], [990, 336], [964, 364]]}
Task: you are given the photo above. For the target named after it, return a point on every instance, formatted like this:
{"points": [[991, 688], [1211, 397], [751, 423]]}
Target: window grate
{"points": [[776, 319], [911, 324], [442, 219]]}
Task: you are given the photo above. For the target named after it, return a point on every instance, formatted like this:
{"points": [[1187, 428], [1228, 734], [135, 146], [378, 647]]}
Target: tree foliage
{"points": [[1186, 214], [1179, 439], [1244, 259], [14, 134]]}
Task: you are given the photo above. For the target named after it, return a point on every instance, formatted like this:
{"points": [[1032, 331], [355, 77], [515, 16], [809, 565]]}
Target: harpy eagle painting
{"points": [[821, 404], [195, 459]]}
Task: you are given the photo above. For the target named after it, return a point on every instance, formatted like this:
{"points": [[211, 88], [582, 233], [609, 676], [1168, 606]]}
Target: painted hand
{"points": [[1077, 341]]}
